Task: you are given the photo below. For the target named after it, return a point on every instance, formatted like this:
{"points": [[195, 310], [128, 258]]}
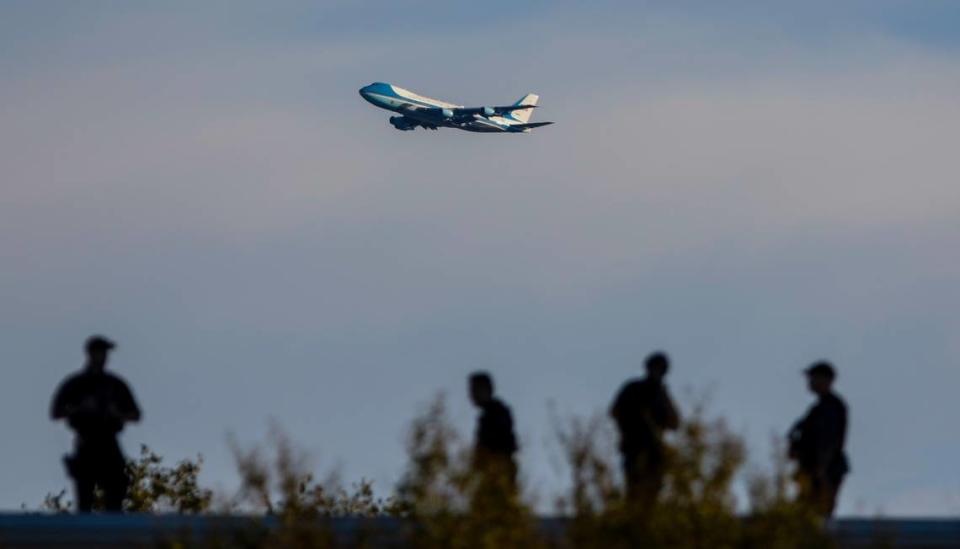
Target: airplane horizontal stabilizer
{"points": [[529, 126]]}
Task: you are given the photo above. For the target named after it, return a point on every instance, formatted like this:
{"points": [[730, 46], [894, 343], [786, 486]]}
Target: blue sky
{"points": [[750, 187]]}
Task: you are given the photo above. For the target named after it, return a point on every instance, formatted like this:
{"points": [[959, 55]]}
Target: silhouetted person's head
{"points": [[481, 388], [657, 366], [98, 349], [820, 377]]}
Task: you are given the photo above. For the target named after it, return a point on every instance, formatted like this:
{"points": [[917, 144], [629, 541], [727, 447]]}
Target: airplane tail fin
{"points": [[523, 115]]}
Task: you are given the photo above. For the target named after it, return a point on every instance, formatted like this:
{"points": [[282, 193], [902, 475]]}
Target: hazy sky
{"points": [[750, 186]]}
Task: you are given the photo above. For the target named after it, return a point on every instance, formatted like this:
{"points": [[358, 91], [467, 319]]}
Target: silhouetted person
{"points": [[96, 405], [817, 443], [643, 410], [495, 443]]}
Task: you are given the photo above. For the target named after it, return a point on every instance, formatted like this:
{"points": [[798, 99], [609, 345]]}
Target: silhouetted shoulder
{"points": [[630, 393], [495, 428], [832, 405], [115, 380], [836, 400], [498, 415], [632, 386], [83, 385], [70, 382], [67, 392], [498, 408]]}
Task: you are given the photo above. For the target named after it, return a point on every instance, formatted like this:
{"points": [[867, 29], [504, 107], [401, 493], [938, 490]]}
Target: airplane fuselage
{"points": [[426, 112]]}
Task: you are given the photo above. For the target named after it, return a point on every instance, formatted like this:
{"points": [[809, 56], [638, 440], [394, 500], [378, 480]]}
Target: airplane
{"points": [[419, 111]]}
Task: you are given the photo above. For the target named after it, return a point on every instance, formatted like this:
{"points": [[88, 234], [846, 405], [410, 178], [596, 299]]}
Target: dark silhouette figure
{"points": [[495, 443], [96, 405], [643, 410], [817, 443]]}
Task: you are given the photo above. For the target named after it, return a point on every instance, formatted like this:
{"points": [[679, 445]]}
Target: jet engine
{"points": [[403, 124], [447, 113], [487, 111]]}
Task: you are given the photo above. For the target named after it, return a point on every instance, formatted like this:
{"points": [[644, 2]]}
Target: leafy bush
{"points": [[278, 484], [777, 520], [153, 488], [696, 508], [447, 499], [451, 501]]}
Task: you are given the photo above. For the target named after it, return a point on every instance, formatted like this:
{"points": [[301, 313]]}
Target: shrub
{"points": [[154, 488], [451, 501], [696, 508], [448, 499]]}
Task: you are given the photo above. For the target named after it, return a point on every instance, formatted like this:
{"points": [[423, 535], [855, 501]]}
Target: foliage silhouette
{"points": [[277, 483], [451, 503], [154, 488], [445, 500], [697, 508]]}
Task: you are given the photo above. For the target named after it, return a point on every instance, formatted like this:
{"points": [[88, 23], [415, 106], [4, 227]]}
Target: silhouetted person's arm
{"points": [[795, 440], [831, 432], [671, 418], [125, 408], [62, 406], [662, 412], [619, 405]]}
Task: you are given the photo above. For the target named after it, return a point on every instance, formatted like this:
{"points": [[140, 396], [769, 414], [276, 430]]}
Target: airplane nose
{"points": [[367, 94]]}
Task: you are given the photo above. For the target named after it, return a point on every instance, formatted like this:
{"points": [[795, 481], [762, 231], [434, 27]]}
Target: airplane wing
{"points": [[461, 113], [427, 115], [431, 117], [490, 111]]}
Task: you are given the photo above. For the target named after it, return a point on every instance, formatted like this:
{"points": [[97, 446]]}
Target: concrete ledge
{"points": [[18, 530]]}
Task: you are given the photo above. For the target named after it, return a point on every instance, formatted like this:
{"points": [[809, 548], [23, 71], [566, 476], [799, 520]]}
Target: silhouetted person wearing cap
{"points": [[495, 443], [643, 410], [96, 405], [817, 443]]}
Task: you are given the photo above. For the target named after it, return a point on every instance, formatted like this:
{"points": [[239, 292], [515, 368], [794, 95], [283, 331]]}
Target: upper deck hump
{"points": [[407, 94]]}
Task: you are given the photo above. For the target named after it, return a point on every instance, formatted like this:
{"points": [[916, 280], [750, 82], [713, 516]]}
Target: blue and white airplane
{"points": [[416, 110]]}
